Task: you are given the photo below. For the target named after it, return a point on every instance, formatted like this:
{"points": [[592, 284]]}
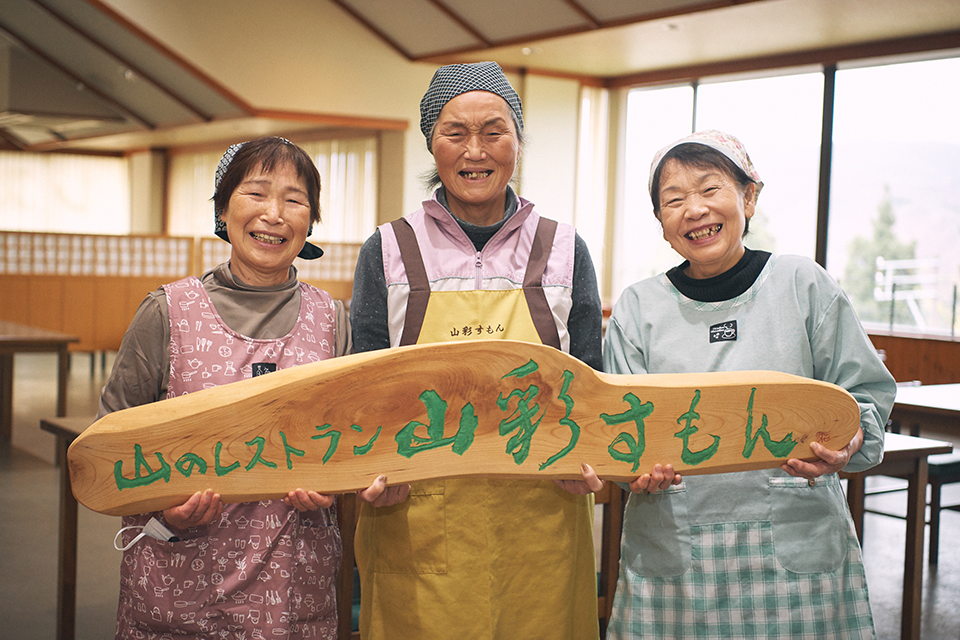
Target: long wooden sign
{"points": [[491, 408]]}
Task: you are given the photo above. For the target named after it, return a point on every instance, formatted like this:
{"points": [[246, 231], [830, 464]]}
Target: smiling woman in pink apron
{"points": [[251, 570], [474, 558]]}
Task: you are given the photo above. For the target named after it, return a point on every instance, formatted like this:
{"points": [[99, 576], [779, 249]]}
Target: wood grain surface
{"points": [[486, 408]]}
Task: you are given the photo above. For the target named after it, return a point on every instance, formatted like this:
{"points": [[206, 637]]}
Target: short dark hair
{"points": [[266, 154], [692, 154]]}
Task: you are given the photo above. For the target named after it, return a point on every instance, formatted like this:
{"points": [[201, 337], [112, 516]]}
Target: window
{"points": [[778, 119], [894, 214], [189, 204], [655, 117], [348, 179], [591, 195], [894, 224], [64, 193], [348, 196]]}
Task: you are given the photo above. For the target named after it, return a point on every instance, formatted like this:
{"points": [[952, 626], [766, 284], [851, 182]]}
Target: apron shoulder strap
{"points": [[416, 276], [533, 292], [533, 283]]}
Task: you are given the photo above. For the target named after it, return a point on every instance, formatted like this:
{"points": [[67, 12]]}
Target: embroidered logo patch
{"points": [[260, 368], [724, 331]]}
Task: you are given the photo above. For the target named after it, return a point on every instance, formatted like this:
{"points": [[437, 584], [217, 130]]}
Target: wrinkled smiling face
{"points": [[476, 149], [267, 219], [704, 213]]}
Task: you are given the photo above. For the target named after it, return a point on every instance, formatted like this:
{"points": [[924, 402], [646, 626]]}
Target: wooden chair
{"points": [[944, 469], [347, 513], [611, 497]]}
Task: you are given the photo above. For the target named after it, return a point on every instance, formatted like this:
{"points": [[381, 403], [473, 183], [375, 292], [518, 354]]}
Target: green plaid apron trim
{"points": [[735, 588]]}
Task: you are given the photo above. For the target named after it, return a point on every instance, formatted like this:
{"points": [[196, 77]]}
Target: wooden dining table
{"points": [[929, 407], [18, 338], [66, 431], [905, 457]]}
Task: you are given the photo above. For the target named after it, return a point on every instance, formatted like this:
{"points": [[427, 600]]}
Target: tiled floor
{"points": [[29, 517]]}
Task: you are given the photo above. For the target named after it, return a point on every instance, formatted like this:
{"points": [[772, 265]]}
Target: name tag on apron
{"points": [[454, 316]]}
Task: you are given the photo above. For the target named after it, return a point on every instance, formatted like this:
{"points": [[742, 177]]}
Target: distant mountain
{"points": [[924, 183]]}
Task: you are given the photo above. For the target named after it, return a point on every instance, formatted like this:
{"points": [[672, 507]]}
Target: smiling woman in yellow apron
{"points": [[473, 558]]}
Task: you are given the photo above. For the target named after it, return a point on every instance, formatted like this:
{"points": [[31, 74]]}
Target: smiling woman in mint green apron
{"points": [[770, 553], [475, 558]]}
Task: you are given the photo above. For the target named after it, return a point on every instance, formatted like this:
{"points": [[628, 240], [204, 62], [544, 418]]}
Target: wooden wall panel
{"points": [[90, 286], [113, 313], [13, 298], [45, 303], [96, 309], [339, 289], [79, 311], [137, 290], [927, 359]]}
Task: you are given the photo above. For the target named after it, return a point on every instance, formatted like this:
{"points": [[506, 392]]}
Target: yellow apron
{"points": [[474, 558]]}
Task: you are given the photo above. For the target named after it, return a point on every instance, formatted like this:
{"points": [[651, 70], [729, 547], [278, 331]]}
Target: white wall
{"points": [[551, 108], [147, 169]]}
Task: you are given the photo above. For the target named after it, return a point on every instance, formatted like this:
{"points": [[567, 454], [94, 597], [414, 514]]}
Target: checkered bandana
{"points": [[725, 143], [452, 80], [309, 251]]}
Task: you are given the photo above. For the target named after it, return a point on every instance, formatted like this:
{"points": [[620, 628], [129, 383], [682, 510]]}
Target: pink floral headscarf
{"points": [[725, 143]]}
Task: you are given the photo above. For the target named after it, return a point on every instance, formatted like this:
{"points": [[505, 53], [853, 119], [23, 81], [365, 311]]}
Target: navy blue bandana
{"points": [[309, 251], [450, 81]]}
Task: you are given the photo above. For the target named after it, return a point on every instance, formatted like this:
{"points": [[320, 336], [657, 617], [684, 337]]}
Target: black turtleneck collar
{"points": [[725, 286], [478, 234]]}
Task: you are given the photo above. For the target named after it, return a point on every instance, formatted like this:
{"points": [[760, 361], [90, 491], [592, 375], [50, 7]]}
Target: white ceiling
{"points": [[420, 29], [767, 28], [149, 97]]}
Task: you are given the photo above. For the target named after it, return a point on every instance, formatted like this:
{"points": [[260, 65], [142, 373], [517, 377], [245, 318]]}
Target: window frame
{"points": [[897, 52]]}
